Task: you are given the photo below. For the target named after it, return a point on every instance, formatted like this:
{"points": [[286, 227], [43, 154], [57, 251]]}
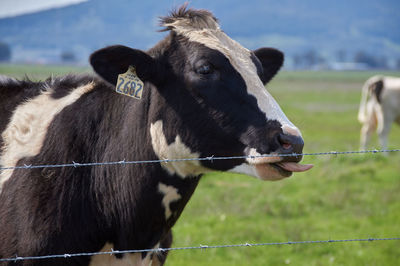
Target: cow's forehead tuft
{"points": [[190, 19]]}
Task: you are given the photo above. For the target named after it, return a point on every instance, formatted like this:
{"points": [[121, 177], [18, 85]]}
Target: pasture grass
{"points": [[342, 197]]}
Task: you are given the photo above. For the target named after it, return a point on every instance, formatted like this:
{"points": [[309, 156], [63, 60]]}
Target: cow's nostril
{"points": [[284, 142], [286, 146], [291, 143]]}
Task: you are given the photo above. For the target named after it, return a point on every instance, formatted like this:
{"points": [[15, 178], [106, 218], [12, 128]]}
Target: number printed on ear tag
{"points": [[129, 84]]}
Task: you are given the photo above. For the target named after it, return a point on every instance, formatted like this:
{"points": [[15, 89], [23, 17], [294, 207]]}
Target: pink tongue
{"points": [[295, 167]]}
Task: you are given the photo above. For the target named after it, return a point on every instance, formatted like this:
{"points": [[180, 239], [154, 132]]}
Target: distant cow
{"points": [[202, 95], [379, 108]]}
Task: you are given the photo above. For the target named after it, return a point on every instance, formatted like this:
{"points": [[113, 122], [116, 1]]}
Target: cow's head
{"points": [[208, 98]]}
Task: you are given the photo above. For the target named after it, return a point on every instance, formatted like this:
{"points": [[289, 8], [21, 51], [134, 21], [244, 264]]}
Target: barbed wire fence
{"points": [[202, 247], [209, 158]]}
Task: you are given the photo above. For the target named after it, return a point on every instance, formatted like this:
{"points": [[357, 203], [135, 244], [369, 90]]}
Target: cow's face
{"points": [[216, 91]]}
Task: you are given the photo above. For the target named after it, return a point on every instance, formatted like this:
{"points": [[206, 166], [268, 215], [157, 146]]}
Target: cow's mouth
{"points": [[279, 170]]}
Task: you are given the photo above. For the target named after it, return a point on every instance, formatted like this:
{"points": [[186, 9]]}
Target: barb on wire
{"points": [[203, 247], [209, 158]]}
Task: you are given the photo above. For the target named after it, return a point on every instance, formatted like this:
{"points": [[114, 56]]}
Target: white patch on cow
{"points": [[24, 135], [257, 158], [175, 150], [379, 116], [365, 95], [240, 58], [291, 130], [170, 195], [392, 83], [128, 259]]}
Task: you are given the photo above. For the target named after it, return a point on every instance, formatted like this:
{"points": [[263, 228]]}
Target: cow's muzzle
{"points": [[283, 161]]}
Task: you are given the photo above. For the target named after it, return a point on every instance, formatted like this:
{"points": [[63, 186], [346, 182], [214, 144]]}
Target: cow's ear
{"points": [[111, 61], [271, 60]]}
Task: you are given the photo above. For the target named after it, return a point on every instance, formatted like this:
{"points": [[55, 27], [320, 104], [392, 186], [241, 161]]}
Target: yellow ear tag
{"points": [[129, 84]]}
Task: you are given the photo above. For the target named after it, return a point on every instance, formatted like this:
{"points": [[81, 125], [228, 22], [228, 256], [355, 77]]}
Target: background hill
{"points": [[310, 32]]}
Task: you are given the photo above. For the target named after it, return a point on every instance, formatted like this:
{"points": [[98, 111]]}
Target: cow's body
{"points": [[379, 108], [218, 108], [78, 216]]}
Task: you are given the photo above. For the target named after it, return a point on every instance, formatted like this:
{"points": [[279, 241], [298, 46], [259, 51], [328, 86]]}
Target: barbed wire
{"points": [[210, 158], [202, 247]]}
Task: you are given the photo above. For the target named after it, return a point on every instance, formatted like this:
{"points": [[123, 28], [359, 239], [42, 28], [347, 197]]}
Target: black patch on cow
{"points": [[111, 61], [377, 90], [62, 86], [271, 60]]}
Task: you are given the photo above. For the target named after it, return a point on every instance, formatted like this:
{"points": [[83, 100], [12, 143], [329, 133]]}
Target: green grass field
{"points": [[342, 197]]}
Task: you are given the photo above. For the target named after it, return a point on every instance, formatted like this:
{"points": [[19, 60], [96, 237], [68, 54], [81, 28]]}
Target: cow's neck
{"points": [[157, 192]]}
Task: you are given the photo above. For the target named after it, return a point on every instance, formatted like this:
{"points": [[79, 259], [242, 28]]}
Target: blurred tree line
{"points": [[371, 60], [68, 57], [311, 59], [5, 52]]}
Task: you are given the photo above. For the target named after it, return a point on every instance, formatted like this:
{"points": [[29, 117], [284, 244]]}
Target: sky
{"points": [[9, 8]]}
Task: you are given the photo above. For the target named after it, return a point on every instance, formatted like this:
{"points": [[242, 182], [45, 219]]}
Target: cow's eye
{"points": [[204, 69]]}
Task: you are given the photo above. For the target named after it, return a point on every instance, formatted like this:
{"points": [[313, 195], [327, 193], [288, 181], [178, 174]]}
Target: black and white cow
{"points": [[379, 108], [203, 95]]}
